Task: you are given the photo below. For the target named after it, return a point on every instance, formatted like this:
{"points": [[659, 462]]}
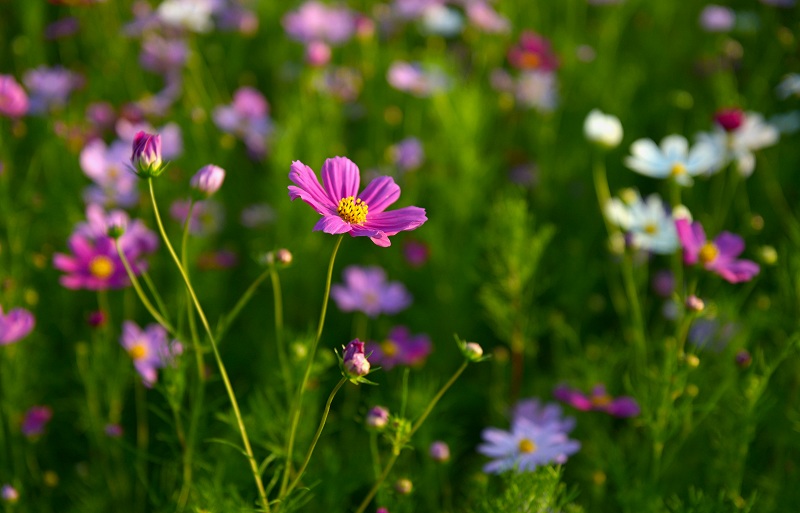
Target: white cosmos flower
{"points": [[194, 15], [603, 129], [648, 223], [673, 159], [738, 145]]}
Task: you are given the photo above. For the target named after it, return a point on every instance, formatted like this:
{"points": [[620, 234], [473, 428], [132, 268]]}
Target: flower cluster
{"points": [[538, 436], [597, 400]]}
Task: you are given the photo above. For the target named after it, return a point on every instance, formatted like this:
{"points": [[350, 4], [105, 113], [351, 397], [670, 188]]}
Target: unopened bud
{"points": [[695, 304]]}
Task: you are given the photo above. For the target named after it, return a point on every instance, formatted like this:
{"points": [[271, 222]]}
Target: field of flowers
{"points": [[403, 256]]}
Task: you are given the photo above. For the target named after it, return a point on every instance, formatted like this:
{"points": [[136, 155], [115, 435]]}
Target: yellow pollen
{"points": [[601, 400], [389, 348], [352, 210], [526, 446], [101, 267], [678, 169], [708, 252], [138, 351], [650, 229]]}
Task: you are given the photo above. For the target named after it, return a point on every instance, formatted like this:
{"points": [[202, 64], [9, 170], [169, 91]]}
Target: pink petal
{"points": [[380, 193], [394, 221], [341, 178], [729, 244], [308, 189], [692, 238], [332, 224]]}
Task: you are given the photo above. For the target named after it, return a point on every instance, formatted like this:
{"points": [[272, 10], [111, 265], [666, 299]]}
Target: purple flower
{"points": [[528, 444], [315, 21], [13, 100], [718, 256], [413, 78], [533, 53], [64, 27], [149, 349], [146, 155], [532, 410], [114, 182], [663, 283], [9, 494], [247, 117], [208, 180], [400, 348], [598, 400], [377, 417], [729, 119], [366, 290], [439, 451], [113, 430], [136, 238], [171, 138], [162, 55], [344, 210], [354, 360], [36, 418], [408, 154], [15, 325], [717, 18], [50, 87], [712, 334], [94, 264]]}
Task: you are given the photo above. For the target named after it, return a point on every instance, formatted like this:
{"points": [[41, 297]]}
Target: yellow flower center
{"points": [[650, 229], [389, 348], [708, 252], [678, 169], [601, 400], [352, 210], [526, 446], [101, 267], [530, 60], [138, 351]]}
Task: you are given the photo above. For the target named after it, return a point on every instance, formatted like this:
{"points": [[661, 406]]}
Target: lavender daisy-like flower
{"points": [[526, 446], [15, 325], [50, 87], [344, 210], [408, 154], [35, 420], [114, 182], [673, 159], [597, 400], [366, 290], [149, 348], [400, 348], [533, 410], [13, 99], [247, 117], [718, 256], [415, 79], [315, 21]]}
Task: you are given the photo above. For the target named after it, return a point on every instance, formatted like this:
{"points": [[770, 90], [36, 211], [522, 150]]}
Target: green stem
{"points": [[278, 306], [379, 482], [636, 308], [223, 373], [435, 400], [139, 292], [142, 442], [159, 302], [297, 403], [316, 435], [228, 320]]}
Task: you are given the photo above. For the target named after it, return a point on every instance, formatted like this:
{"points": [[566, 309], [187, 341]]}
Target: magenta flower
{"points": [[146, 155], [366, 290], [718, 256], [400, 348], [377, 417], [136, 238], [354, 361], [15, 325], [149, 349], [344, 210], [533, 53], [315, 21], [13, 100], [247, 117], [36, 418], [598, 400], [208, 180], [94, 264]]}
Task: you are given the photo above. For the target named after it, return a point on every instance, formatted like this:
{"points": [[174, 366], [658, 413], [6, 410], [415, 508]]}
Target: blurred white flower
{"points": [[648, 223], [603, 129], [738, 145], [674, 159], [789, 86], [194, 15]]}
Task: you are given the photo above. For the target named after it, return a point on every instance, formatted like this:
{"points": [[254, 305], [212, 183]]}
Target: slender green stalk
{"points": [[636, 308], [162, 308], [223, 373], [283, 361], [228, 320], [398, 444], [142, 442], [139, 292], [316, 435], [298, 401]]}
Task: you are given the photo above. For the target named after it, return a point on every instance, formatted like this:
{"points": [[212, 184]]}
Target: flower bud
{"points": [[9, 493], [207, 180], [403, 486], [354, 360], [146, 156], [439, 451], [692, 361], [729, 119], [377, 418], [603, 129], [743, 359], [473, 351], [695, 304]]}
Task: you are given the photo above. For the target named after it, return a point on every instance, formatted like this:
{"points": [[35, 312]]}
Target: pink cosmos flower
{"points": [[13, 100], [718, 256], [315, 21], [366, 289], [36, 418], [598, 400], [400, 348], [149, 348], [247, 117], [344, 210], [107, 166], [533, 53], [15, 325]]}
